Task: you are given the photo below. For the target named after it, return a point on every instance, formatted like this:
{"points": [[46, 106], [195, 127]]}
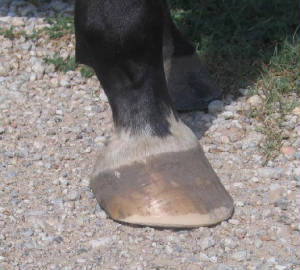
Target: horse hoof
{"points": [[189, 83], [174, 190]]}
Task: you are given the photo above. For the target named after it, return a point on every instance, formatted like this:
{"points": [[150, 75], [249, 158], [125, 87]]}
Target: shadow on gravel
{"points": [[237, 38]]}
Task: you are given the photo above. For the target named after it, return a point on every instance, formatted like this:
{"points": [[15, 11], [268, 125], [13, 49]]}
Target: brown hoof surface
{"points": [[167, 190]]}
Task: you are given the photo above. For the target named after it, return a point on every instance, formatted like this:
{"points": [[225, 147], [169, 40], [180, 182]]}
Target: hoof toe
{"points": [[167, 190]]}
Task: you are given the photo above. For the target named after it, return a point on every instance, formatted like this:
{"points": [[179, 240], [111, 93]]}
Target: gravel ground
{"points": [[51, 126]]}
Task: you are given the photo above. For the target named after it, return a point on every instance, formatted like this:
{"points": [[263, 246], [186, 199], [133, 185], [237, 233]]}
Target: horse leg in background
{"points": [[189, 83]]}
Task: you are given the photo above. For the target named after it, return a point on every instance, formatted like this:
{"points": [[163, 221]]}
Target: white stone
{"points": [[207, 242], [81, 260], [4, 68], [239, 256], [64, 83], [18, 21], [7, 43], [6, 19], [228, 115], [271, 260], [275, 186], [100, 242], [280, 267], [73, 195], [273, 173], [215, 106], [169, 250], [254, 101], [103, 97], [243, 91], [32, 77], [38, 68], [258, 243], [230, 243], [59, 112], [213, 259], [203, 257], [254, 179]]}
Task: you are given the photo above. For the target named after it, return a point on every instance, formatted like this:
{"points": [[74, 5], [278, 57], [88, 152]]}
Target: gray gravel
{"points": [[51, 126]]}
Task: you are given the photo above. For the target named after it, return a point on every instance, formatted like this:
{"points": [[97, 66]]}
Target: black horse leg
{"points": [[153, 171]]}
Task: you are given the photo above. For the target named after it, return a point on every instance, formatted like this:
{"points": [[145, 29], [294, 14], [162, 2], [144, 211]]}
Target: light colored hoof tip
{"points": [[174, 190], [182, 221]]}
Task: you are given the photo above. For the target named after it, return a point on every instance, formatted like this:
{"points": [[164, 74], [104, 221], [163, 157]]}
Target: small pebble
{"points": [[254, 101], [287, 150], [228, 115], [243, 91], [296, 111], [73, 195], [258, 243], [2, 130], [58, 239], [239, 255], [254, 179], [274, 173], [207, 242], [280, 267], [104, 241], [215, 106]]}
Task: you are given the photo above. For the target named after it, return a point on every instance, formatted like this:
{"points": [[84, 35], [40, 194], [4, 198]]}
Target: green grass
{"points": [[65, 65], [250, 44], [235, 37], [86, 71], [12, 33], [8, 33], [61, 64], [59, 27], [279, 87]]}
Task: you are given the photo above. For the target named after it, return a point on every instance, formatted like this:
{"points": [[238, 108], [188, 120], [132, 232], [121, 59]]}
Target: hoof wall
{"points": [[178, 190]]}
